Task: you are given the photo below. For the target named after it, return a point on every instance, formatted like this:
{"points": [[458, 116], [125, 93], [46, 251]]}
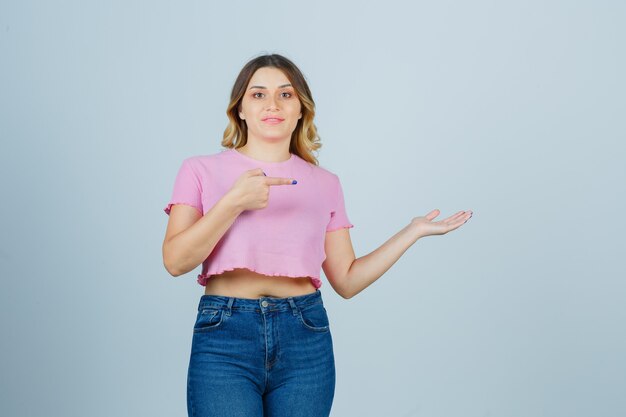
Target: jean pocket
{"points": [[208, 319], [314, 318]]}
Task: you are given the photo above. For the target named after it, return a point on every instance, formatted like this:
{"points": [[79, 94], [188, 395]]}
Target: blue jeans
{"points": [[270, 357]]}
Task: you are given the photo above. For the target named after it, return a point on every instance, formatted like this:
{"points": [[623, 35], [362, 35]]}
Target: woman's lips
{"points": [[273, 121]]}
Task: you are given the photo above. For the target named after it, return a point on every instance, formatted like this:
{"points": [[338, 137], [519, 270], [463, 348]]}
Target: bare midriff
{"points": [[243, 283]]}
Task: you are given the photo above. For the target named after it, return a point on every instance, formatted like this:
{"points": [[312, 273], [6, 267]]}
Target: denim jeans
{"points": [[270, 357]]}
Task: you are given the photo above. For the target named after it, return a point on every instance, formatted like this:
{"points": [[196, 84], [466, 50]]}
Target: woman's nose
{"points": [[271, 104]]}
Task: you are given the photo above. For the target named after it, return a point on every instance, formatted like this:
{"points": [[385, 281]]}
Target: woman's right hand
{"points": [[251, 191]]}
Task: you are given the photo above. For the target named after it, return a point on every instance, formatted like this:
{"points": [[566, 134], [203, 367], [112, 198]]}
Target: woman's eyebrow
{"points": [[260, 86]]}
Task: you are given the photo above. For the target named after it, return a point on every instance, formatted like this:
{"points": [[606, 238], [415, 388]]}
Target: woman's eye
{"points": [[256, 95]]}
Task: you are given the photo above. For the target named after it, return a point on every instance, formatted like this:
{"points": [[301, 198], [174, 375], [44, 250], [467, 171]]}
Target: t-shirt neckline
{"points": [[236, 152]]}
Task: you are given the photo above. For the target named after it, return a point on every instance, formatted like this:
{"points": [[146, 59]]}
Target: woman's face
{"points": [[270, 106]]}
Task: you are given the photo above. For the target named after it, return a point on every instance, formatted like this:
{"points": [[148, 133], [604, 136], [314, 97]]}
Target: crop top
{"points": [[284, 238]]}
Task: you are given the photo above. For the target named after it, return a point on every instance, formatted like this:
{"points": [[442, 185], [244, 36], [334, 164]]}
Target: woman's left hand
{"points": [[425, 226]]}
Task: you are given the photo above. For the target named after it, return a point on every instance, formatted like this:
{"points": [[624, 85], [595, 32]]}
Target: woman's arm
{"points": [[349, 276], [190, 237]]}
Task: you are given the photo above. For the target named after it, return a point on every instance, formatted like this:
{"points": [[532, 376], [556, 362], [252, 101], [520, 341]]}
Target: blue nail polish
{"points": [[294, 182]]}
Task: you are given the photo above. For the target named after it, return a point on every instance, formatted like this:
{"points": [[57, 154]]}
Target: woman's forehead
{"points": [[268, 77]]}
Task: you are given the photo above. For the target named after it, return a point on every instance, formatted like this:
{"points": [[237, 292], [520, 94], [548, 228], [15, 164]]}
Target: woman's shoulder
{"points": [[208, 157], [206, 161], [324, 173]]}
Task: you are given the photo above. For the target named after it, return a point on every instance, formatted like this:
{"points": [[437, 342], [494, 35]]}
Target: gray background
{"points": [[514, 110]]}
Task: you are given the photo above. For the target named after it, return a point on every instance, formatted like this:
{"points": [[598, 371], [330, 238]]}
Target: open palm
{"points": [[425, 226]]}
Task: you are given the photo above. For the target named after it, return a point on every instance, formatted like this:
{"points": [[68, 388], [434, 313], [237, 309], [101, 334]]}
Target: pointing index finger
{"points": [[280, 181]]}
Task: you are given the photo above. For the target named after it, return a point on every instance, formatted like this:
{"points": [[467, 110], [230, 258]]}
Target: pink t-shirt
{"points": [[284, 238]]}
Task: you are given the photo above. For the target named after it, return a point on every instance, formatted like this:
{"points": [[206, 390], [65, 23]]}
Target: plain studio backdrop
{"points": [[514, 110]]}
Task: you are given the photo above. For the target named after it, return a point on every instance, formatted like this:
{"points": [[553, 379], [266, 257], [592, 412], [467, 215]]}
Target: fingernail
{"points": [[264, 173], [294, 182]]}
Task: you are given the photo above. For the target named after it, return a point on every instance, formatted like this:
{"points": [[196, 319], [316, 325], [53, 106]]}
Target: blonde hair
{"points": [[304, 139]]}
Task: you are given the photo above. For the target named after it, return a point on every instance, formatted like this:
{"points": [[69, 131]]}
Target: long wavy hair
{"points": [[304, 139]]}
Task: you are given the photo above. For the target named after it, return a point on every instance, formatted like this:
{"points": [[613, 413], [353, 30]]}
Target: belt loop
{"points": [[294, 307], [229, 306]]}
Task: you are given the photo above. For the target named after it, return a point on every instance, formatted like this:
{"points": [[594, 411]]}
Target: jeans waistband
{"points": [[262, 304]]}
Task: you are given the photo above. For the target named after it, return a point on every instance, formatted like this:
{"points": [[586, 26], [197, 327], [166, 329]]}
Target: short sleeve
{"points": [[187, 188], [338, 216]]}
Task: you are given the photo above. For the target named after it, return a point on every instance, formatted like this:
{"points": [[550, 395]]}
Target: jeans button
{"points": [[264, 303]]}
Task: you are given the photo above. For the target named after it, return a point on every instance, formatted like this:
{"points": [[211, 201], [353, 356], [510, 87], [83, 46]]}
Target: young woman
{"points": [[262, 217]]}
